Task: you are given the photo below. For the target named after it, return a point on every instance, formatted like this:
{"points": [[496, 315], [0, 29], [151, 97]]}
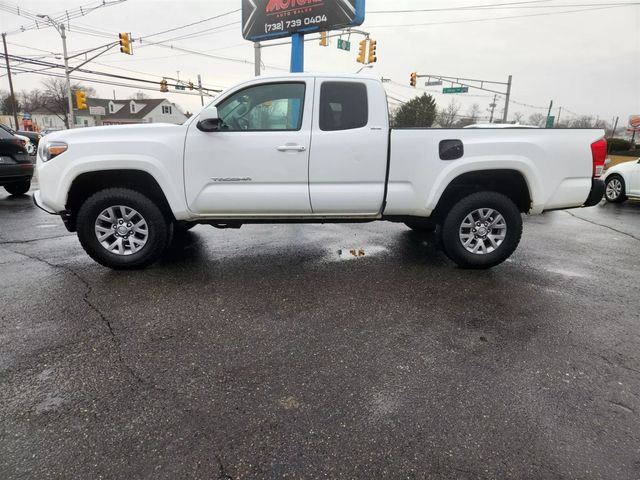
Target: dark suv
{"points": [[16, 168]]}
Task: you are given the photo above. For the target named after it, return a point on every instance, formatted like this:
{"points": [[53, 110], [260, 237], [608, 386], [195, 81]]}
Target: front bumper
{"points": [[596, 193], [37, 200]]}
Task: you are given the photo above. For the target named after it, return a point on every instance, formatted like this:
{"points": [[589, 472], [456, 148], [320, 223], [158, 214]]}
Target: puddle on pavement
{"points": [[568, 273]]}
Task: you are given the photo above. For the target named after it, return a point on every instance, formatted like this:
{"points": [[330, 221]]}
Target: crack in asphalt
{"points": [[31, 240], [85, 298], [602, 225]]}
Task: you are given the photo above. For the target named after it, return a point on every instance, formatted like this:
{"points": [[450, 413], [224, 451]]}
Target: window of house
{"points": [[86, 122], [112, 108], [166, 109], [132, 107], [343, 106], [277, 106]]}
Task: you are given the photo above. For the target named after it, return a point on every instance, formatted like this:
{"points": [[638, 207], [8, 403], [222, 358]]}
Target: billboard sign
{"points": [[269, 19], [634, 121]]}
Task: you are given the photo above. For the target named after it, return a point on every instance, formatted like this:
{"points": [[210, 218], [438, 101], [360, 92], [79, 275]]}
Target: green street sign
{"points": [[551, 119], [455, 90], [344, 45], [179, 87]]}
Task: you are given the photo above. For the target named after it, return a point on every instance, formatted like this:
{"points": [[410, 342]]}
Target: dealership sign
{"points": [[268, 19], [634, 121]]}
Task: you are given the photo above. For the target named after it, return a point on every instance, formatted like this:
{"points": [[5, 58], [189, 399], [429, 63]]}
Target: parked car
{"points": [[310, 148], [31, 148], [16, 168], [47, 131], [34, 137], [622, 181]]}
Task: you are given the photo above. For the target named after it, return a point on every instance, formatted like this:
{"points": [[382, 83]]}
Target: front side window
{"points": [[277, 106], [343, 106]]}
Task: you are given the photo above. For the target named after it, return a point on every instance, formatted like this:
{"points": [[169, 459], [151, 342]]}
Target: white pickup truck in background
{"points": [[310, 148]]}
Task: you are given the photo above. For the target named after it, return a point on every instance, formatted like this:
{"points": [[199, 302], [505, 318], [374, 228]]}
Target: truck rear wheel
{"points": [[122, 229], [482, 230]]}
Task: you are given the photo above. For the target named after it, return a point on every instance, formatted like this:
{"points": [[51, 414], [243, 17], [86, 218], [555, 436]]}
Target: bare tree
{"points": [[537, 119], [54, 97], [518, 117], [447, 116]]}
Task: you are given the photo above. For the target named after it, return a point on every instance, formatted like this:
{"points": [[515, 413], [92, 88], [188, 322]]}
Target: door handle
{"points": [[291, 148]]}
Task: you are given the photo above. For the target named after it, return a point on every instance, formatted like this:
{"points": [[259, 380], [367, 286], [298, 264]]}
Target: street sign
{"points": [[268, 19], [180, 87], [344, 45], [550, 121], [433, 83], [97, 111], [455, 90], [634, 121]]}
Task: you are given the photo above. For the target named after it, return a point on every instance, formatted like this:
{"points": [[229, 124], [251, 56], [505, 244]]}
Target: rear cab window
{"points": [[343, 106]]}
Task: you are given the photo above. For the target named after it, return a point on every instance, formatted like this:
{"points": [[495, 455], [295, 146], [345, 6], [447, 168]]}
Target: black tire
{"points": [[158, 228], [18, 188], [609, 193], [420, 226], [451, 230]]}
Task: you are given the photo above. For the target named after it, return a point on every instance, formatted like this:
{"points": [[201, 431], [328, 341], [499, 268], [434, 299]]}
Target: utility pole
{"points": [[506, 100], [61, 30], [13, 97], [559, 113], [200, 89], [257, 58], [72, 122], [493, 107]]}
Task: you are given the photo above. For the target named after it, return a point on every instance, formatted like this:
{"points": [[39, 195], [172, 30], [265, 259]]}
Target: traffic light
{"points": [[372, 52], [323, 39], [163, 86], [190, 85], [125, 43], [81, 100], [413, 79], [362, 51]]}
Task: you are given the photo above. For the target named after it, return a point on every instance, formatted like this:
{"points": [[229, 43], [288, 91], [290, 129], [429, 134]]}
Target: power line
{"points": [[491, 19], [90, 72], [191, 24], [505, 6]]}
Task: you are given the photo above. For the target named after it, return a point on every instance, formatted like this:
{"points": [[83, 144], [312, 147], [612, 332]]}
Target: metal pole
{"points": [[559, 113], [297, 53], [71, 118], [615, 126], [548, 114], [506, 101], [13, 97], [257, 58], [200, 89]]}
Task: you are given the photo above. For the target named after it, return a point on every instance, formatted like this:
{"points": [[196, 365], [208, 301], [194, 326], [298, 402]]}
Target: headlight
{"points": [[49, 150]]}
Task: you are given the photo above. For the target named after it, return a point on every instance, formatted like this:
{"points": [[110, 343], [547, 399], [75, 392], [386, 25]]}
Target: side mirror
{"points": [[209, 121]]}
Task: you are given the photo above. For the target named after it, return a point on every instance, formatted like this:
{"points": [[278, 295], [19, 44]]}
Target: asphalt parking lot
{"points": [[265, 353]]}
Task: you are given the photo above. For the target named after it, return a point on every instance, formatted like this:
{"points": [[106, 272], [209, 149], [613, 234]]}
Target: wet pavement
{"points": [[352, 351]]}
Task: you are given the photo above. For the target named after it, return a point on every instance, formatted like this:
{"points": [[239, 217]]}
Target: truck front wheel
{"points": [[122, 229], [482, 230]]}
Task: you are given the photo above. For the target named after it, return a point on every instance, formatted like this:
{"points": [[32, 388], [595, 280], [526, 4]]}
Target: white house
{"points": [[102, 111]]}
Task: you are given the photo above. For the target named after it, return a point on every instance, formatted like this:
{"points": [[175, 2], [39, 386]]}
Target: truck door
{"points": [[348, 161], [257, 163]]}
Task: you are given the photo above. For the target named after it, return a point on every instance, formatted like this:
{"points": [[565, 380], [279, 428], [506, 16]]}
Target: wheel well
{"points": [[89, 183], [510, 183]]}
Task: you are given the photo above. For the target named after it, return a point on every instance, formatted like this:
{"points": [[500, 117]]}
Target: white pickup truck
{"points": [[310, 148]]}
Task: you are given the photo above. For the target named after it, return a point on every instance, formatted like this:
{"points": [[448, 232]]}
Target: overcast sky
{"points": [[587, 62]]}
